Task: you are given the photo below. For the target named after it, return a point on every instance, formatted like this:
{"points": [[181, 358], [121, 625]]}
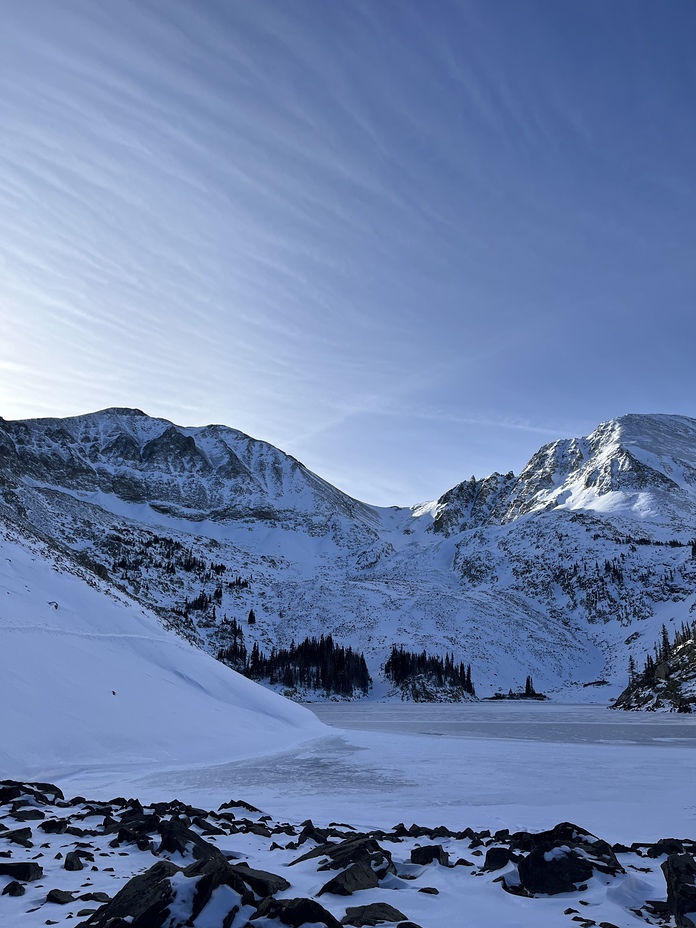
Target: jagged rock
{"points": [[54, 826], [561, 858], [238, 803], [497, 858], [59, 896], [206, 827], [371, 915], [260, 881], [430, 853], [21, 836], [680, 875], [25, 870], [28, 815], [14, 888], [144, 900], [556, 870], [297, 912], [178, 839], [8, 793], [72, 861], [665, 846], [357, 876]]}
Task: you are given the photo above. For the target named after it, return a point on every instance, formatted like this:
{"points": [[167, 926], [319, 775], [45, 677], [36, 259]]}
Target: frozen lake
{"points": [[521, 720], [623, 776]]}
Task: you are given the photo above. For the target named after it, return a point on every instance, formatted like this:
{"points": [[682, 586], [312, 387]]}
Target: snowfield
{"points": [[89, 678]]}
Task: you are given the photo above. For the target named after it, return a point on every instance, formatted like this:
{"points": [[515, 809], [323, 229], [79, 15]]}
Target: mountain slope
{"points": [[560, 572], [90, 676]]}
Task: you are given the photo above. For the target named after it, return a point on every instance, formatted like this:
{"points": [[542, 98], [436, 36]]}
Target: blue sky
{"points": [[404, 240]]}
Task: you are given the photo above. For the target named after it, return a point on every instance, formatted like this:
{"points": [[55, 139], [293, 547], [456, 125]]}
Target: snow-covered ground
{"points": [[88, 677], [100, 699], [621, 777]]}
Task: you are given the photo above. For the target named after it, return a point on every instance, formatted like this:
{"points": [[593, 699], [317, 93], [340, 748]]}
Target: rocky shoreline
{"points": [[117, 863]]}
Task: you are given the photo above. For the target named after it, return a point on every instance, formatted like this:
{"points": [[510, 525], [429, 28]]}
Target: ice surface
{"points": [[584, 766]]}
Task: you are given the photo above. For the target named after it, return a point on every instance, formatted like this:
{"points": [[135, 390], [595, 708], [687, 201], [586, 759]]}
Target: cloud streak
{"points": [[321, 222]]}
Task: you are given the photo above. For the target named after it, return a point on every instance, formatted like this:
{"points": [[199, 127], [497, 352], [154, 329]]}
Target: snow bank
{"points": [[89, 678]]}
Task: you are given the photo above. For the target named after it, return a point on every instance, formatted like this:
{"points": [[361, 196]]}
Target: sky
{"points": [[404, 241]]}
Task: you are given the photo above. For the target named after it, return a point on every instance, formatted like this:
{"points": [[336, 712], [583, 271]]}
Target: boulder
{"points": [[144, 900], [680, 874], [430, 853], [557, 870], [54, 826], [260, 881], [497, 858], [297, 912], [14, 889], [21, 836], [357, 876], [561, 858], [370, 915], [25, 870], [177, 838], [665, 846], [60, 896], [72, 861]]}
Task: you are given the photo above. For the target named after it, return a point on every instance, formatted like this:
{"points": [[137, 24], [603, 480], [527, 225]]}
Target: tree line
{"points": [[313, 664], [404, 666]]}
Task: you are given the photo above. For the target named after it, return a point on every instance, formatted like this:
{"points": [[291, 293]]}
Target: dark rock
{"points": [[370, 915], [54, 826], [260, 881], [8, 793], [665, 846], [209, 874], [556, 870], [561, 858], [206, 827], [680, 874], [357, 876], [95, 897], [144, 900], [14, 889], [21, 836], [408, 925], [569, 835], [358, 848], [28, 815], [60, 896], [430, 853], [176, 839], [429, 890], [496, 858], [238, 803], [297, 912], [25, 870], [72, 861]]}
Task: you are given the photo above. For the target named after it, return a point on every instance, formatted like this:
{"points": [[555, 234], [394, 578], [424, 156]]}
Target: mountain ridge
{"points": [[540, 573]]}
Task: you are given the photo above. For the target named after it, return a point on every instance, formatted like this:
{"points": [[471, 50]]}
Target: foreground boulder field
{"points": [[117, 863]]}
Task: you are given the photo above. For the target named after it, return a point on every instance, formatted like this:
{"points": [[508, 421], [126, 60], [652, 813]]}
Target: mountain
{"points": [[561, 572]]}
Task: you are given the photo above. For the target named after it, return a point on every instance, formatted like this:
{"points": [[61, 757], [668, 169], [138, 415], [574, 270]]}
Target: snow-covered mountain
{"points": [[560, 572]]}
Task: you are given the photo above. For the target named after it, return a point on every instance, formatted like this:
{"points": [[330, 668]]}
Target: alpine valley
{"points": [[562, 573]]}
